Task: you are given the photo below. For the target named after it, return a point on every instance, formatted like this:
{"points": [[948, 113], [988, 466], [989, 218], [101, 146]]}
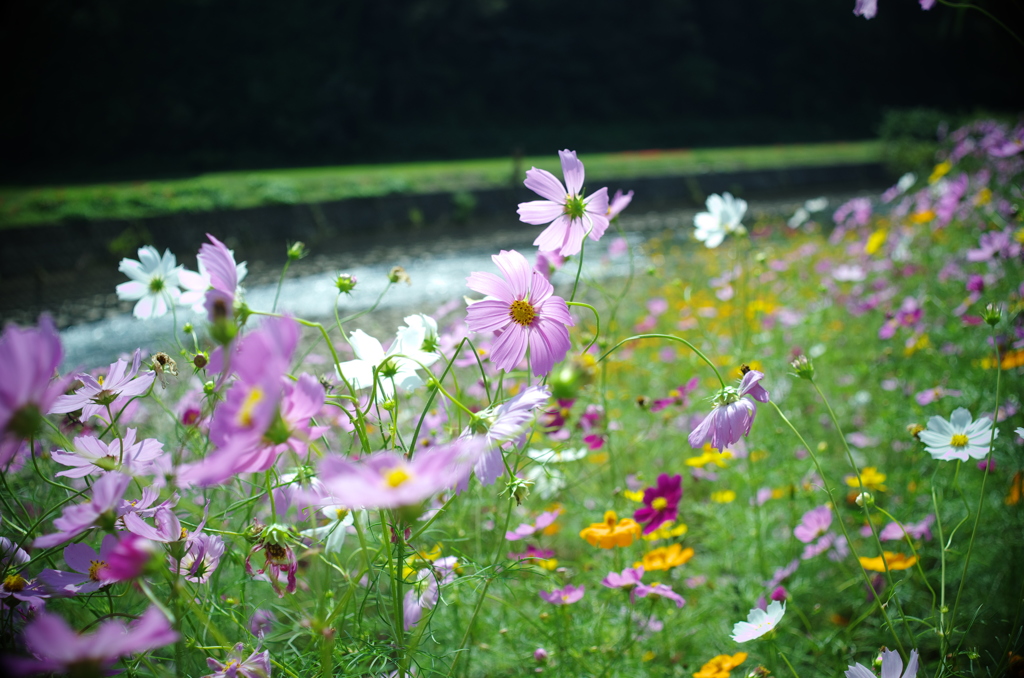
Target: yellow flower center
{"points": [[659, 504], [251, 400], [396, 477], [15, 583], [522, 312], [94, 569], [959, 440]]}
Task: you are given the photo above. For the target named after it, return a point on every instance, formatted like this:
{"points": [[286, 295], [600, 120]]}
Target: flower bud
{"points": [[297, 250], [865, 499], [803, 367], [398, 274], [992, 314], [345, 283], [540, 655]]}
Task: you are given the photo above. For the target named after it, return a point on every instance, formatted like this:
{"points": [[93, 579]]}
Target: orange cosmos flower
{"points": [[665, 558], [895, 561], [612, 532], [720, 666]]}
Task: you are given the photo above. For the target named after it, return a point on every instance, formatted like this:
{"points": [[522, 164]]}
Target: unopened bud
{"points": [[398, 274], [200, 360], [804, 367], [865, 499], [992, 314], [345, 283], [188, 328], [297, 250]]}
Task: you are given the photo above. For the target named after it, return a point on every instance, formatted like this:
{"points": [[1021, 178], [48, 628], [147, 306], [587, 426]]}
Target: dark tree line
{"points": [[105, 88]]}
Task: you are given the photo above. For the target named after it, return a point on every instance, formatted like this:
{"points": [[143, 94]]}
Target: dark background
{"points": [[105, 89]]}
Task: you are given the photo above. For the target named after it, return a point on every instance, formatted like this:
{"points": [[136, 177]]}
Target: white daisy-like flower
{"points": [[759, 622], [396, 367], [959, 438], [722, 218], [549, 456], [154, 282]]}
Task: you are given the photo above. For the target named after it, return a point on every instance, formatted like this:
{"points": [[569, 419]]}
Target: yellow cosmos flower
{"points": [[637, 496], [922, 217], [941, 170], [709, 456], [665, 558], [870, 477], [667, 531], [895, 561], [720, 666], [876, 241], [612, 532], [723, 496]]}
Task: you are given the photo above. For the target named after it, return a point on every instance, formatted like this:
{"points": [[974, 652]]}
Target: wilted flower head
{"points": [[733, 414]]}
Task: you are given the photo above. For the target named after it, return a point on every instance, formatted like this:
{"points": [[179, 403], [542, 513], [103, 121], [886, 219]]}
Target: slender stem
{"points": [[597, 320], [967, 5], [671, 338], [842, 525], [579, 269], [277, 293]]}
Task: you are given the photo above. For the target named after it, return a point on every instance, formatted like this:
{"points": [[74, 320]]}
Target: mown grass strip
{"points": [[233, 190]]}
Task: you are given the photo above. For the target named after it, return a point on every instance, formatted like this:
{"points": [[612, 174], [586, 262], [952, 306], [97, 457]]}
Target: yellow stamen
{"points": [[522, 312], [251, 400], [396, 477], [94, 569], [15, 583], [959, 440], [659, 504]]}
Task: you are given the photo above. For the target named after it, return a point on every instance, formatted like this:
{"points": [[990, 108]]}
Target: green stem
{"points": [[597, 320], [967, 5], [671, 338], [280, 282], [579, 269]]}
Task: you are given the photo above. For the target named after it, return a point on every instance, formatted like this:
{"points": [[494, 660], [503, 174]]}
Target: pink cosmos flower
{"points": [[567, 596], [262, 622], [29, 358], [522, 309], [58, 649], [892, 667], [919, 530], [115, 389], [217, 279], [532, 553], [107, 493], [202, 557], [618, 203], [570, 215], [661, 502], [129, 558], [89, 569], [814, 524], [733, 414], [677, 396], [500, 425], [628, 579], [866, 8], [659, 591], [389, 480], [256, 665], [524, 530], [93, 456]]}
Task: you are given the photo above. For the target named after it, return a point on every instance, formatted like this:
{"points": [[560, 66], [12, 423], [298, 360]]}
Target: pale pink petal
{"points": [[572, 170], [545, 184], [508, 350], [539, 211]]}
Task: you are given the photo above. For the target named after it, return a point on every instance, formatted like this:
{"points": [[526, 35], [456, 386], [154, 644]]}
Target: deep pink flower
{"points": [[129, 558], [627, 579], [389, 480], [29, 358], [522, 309], [256, 665], [813, 524], [107, 493], [532, 553], [570, 215], [733, 414], [58, 649], [113, 390], [677, 396], [661, 502], [567, 596]]}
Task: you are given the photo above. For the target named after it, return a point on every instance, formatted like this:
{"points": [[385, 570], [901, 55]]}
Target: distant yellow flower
{"points": [[709, 456], [876, 241], [723, 496], [637, 496], [922, 217], [920, 343], [550, 564], [895, 561], [941, 170], [984, 197], [871, 479], [665, 558], [612, 532], [667, 531], [720, 666]]}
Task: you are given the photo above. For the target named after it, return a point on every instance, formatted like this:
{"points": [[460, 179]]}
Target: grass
{"points": [[22, 206]]}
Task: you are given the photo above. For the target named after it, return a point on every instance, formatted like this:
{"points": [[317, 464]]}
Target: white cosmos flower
{"points": [[420, 323], [959, 438], [759, 622], [339, 519], [154, 282], [555, 456], [546, 481], [397, 367], [722, 218]]}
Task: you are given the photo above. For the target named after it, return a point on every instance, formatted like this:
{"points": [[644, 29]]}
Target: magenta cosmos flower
{"points": [[733, 414], [58, 649], [570, 215], [389, 480], [28, 359], [522, 309], [661, 502]]}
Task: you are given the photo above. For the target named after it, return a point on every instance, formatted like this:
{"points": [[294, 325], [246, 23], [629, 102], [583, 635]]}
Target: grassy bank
{"points": [[233, 190]]}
